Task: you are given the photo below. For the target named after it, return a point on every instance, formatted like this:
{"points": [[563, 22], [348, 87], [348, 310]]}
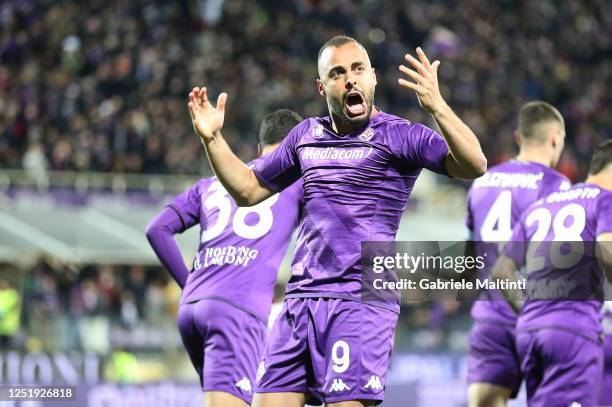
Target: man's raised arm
{"points": [[465, 159], [238, 179]]}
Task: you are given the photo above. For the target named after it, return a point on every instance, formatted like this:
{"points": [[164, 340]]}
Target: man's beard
{"points": [[341, 119]]}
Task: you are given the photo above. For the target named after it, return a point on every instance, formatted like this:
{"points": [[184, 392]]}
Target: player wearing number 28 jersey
{"points": [[563, 243], [495, 203], [226, 298]]}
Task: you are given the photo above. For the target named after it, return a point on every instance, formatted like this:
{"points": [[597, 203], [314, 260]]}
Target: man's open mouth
{"points": [[355, 104]]}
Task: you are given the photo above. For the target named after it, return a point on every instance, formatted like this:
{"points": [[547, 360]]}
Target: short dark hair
{"points": [[275, 126], [534, 113], [602, 157], [338, 41]]}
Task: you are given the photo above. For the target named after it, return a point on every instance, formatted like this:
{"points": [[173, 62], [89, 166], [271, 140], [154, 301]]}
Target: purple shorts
{"points": [[225, 345], [330, 349], [561, 368], [605, 398], [493, 357]]}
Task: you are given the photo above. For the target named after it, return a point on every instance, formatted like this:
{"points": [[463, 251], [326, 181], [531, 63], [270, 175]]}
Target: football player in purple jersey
{"points": [[495, 203], [227, 295], [562, 242], [358, 165]]}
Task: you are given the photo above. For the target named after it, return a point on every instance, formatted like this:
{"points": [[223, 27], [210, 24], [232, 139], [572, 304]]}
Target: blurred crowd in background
{"points": [[102, 308], [101, 86], [93, 308]]}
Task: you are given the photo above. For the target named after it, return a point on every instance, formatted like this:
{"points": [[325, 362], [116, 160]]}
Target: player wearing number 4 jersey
{"points": [[563, 242], [226, 297], [495, 202], [358, 166]]}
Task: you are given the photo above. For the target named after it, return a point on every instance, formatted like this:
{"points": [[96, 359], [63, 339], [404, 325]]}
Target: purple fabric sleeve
{"points": [[188, 204], [281, 168], [160, 233], [423, 147]]}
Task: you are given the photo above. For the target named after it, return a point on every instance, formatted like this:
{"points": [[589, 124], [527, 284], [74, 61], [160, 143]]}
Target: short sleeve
{"points": [[187, 206], [604, 215], [422, 147], [281, 168]]}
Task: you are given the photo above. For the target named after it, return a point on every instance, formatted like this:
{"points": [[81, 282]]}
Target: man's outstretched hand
{"points": [[424, 81], [206, 119], [465, 158]]}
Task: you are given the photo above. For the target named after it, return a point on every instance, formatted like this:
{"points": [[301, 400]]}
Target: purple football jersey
{"points": [[355, 189], [495, 203], [555, 244], [240, 249]]}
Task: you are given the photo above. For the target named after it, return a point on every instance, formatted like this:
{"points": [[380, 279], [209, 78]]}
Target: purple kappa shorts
{"points": [[330, 349], [493, 357], [225, 345], [561, 368]]}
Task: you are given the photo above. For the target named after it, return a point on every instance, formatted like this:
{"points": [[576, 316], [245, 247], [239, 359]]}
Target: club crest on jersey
{"points": [[317, 132], [366, 135]]}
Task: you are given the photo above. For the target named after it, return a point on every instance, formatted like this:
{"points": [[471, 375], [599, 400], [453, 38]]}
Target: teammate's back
{"points": [[562, 244], [495, 203], [555, 241], [240, 249]]}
